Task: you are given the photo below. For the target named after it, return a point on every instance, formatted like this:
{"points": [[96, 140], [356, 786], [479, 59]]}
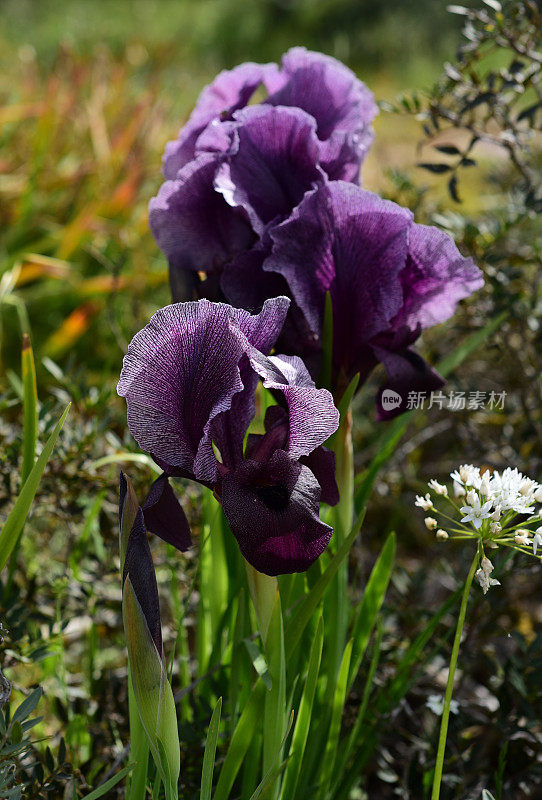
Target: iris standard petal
{"points": [[342, 106], [272, 164], [312, 416], [192, 223], [353, 244], [272, 509], [182, 371], [230, 90]]}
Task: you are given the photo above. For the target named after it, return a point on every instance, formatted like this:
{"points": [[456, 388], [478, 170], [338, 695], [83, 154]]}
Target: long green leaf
{"points": [[373, 597], [210, 752], [301, 730], [240, 741], [265, 787], [17, 516], [298, 622], [470, 344], [337, 709], [102, 790]]}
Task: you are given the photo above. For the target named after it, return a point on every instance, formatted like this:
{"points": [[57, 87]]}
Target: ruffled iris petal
{"points": [[436, 277], [192, 223], [230, 90], [342, 106], [182, 371], [354, 244], [272, 163]]}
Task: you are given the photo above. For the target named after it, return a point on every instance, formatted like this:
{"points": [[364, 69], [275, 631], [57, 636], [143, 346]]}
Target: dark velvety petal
{"points": [[321, 463], [245, 284], [139, 566], [272, 509], [342, 106], [230, 90], [165, 517], [436, 277], [312, 416], [191, 222], [354, 244], [273, 163], [406, 372], [182, 370]]}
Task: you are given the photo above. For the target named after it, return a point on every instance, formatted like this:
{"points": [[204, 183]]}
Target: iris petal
{"points": [[230, 90], [272, 509], [182, 371]]}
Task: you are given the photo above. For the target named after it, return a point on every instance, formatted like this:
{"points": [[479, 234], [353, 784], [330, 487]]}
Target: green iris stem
{"points": [[437, 779], [264, 590]]}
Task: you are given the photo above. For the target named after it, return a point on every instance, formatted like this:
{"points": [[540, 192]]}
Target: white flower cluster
{"points": [[489, 506]]}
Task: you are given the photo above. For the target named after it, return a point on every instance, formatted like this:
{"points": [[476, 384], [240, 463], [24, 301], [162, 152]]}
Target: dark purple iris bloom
{"points": [[389, 279], [189, 379], [236, 171]]}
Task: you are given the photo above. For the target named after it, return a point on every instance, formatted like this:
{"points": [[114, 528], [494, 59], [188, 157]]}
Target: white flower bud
{"points": [[522, 536], [438, 488], [430, 523], [424, 503], [442, 535]]}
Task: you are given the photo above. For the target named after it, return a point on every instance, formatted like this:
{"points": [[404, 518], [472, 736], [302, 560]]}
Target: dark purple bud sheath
{"points": [[152, 707], [189, 379]]}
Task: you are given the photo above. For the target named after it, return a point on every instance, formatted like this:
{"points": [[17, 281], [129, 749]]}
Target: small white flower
{"points": [[537, 540], [424, 502], [538, 495], [496, 514], [523, 536], [475, 512], [485, 581], [441, 534], [435, 703], [485, 486], [472, 497], [437, 487], [467, 475], [430, 523], [459, 491]]}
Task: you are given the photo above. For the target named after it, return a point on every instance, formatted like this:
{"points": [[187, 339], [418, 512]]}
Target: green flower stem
{"points": [[437, 779], [264, 591]]}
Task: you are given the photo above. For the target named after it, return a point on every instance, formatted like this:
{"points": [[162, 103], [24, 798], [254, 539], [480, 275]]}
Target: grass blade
{"points": [[337, 709], [17, 516], [30, 408], [210, 752], [373, 597], [102, 790], [240, 741], [301, 730]]}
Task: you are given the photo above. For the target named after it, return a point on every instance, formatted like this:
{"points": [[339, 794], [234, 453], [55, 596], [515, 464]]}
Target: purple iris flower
{"points": [[389, 279], [236, 171], [189, 379]]}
